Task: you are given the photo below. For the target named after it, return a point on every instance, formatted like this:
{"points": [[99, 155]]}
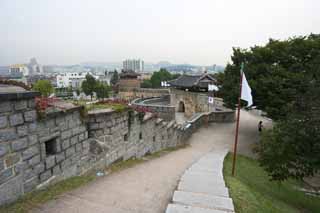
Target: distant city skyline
{"points": [[179, 31]]}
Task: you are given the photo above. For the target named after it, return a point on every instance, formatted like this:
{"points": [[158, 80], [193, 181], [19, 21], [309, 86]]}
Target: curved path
{"points": [[149, 187]]}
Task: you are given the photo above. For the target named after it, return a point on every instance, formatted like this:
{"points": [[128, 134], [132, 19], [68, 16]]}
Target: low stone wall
{"points": [[130, 94], [158, 105], [37, 151]]}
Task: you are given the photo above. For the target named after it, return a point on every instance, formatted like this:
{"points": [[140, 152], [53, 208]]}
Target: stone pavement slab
{"points": [[202, 187], [177, 208], [203, 201]]}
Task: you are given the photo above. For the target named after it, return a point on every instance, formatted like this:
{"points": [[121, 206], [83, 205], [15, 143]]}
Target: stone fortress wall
{"points": [[36, 151]]}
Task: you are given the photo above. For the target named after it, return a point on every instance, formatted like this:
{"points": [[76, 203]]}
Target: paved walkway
{"points": [[149, 187], [202, 189]]}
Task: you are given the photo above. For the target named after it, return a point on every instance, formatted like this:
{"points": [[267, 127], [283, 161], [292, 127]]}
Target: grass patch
{"points": [[36, 198], [252, 191]]}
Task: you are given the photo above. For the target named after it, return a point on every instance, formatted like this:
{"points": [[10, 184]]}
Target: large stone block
{"points": [[65, 144], [45, 176], [19, 144], [22, 130], [4, 149], [56, 170], [70, 151], [66, 134], [5, 106], [34, 160], [3, 122], [16, 119], [33, 139], [60, 157], [1, 165], [38, 168], [8, 134], [74, 140], [12, 159], [50, 161], [5, 175], [31, 184], [30, 152], [11, 190], [30, 116], [20, 167], [33, 127], [20, 105]]}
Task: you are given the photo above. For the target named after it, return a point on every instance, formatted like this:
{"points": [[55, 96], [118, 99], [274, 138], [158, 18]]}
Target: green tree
{"points": [[89, 85], [115, 78], [102, 90], [44, 87], [146, 83], [284, 77]]}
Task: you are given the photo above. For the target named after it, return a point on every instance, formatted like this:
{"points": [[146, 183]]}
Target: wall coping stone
{"points": [[18, 95]]}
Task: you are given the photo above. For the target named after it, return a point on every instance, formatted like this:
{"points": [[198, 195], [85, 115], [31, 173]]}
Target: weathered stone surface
{"points": [[178, 208], [74, 140], [60, 157], [70, 151], [65, 144], [5, 175], [8, 134], [3, 122], [33, 139], [5, 106], [33, 127], [19, 144], [11, 190], [12, 159], [65, 164], [31, 184], [66, 134], [4, 149], [56, 170], [16, 119], [203, 200], [38, 168], [50, 161], [45, 176], [20, 167], [20, 105], [78, 147], [1, 165], [34, 160], [30, 116], [31, 151], [22, 130]]}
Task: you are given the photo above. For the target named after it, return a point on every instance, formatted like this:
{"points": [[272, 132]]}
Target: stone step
{"points": [[205, 188], [177, 208], [213, 175], [203, 201], [203, 179]]}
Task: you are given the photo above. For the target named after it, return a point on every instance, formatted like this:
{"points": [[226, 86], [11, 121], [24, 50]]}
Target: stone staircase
{"points": [[202, 189]]}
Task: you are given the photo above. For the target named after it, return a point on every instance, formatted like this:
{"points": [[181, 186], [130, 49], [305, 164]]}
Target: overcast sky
{"points": [[180, 31]]}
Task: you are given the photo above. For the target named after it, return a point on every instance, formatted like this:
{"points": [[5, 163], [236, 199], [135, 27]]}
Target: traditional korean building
{"points": [[129, 79], [195, 83]]}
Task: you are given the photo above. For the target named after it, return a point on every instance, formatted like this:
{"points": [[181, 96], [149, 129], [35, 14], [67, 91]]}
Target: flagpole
{"points": [[237, 125]]}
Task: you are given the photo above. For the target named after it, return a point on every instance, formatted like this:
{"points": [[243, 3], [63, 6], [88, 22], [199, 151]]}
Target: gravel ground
{"points": [[148, 187]]}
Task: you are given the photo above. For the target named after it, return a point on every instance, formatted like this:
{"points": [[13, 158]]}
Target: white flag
{"points": [[246, 91]]}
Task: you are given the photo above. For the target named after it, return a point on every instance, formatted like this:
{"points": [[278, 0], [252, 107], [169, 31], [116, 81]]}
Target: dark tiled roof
{"points": [[192, 81]]}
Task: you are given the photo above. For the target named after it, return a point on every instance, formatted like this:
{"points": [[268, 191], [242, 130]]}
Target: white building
{"points": [[19, 69], [133, 64], [73, 79]]}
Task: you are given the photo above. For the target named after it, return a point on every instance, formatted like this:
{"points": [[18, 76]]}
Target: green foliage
{"points": [[252, 191], [285, 81], [115, 78], [146, 83], [44, 87], [157, 77], [89, 85], [102, 90]]}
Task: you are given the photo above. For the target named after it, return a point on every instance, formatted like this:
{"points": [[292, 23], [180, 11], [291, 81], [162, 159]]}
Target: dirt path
{"points": [[148, 187]]}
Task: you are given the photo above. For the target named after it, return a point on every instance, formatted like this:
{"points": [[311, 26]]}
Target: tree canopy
{"points": [[44, 87], [89, 85], [157, 77], [115, 78], [285, 81]]}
